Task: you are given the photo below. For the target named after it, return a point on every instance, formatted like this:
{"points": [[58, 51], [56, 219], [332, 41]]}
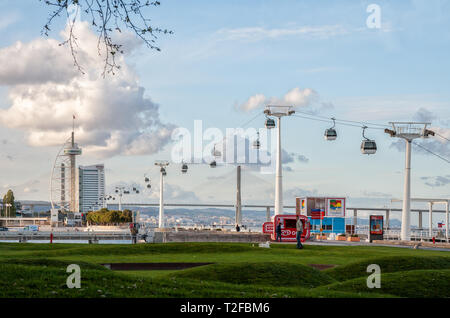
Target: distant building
{"points": [[91, 187]]}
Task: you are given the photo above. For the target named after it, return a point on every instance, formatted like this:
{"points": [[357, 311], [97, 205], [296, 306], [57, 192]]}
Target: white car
{"points": [[32, 228]]}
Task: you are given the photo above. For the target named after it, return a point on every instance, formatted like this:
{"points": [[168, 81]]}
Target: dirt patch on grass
{"points": [[321, 267], [151, 266]]}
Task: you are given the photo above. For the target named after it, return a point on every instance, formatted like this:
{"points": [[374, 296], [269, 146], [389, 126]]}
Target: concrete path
{"points": [[345, 243]]}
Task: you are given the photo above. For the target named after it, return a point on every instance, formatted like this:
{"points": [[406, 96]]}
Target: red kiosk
{"points": [[288, 227]]}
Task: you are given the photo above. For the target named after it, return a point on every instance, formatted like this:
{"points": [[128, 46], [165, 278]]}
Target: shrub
{"points": [[107, 217]]}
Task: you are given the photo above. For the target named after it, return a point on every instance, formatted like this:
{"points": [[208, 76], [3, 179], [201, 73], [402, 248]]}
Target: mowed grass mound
{"points": [[413, 284], [262, 274], [239, 270], [44, 262], [120, 250], [48, 280], [389, 264]]}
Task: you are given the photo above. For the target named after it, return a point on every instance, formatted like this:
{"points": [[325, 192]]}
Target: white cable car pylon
{"points": [[408, 131], [163, 173], [278, 112]]}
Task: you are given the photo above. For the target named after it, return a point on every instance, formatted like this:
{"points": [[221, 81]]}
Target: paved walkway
{"points": [[345, 243]]}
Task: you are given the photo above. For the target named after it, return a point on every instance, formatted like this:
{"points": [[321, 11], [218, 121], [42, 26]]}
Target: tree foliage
{"points": [[107, 217], [106, 16], [8, 198]]}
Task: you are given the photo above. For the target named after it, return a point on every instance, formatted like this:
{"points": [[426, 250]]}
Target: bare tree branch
{"points": [[106, 17]]}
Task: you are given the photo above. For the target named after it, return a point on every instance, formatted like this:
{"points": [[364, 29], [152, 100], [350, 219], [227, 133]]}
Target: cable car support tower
{"points": [[278, 112], [408, 131]]}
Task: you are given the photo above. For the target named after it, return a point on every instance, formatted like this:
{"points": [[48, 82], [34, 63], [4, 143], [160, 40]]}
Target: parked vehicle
{"points": [[69, 222], [31, 228]]}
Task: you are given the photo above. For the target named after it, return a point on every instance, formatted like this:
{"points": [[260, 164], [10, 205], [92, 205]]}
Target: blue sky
{"points": [[222, 53]]}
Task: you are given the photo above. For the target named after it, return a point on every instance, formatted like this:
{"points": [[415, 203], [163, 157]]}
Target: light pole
{"points": [[408, 131], [238, 217], [278, 112], [120, 190], [8, 212], [163, 173]]}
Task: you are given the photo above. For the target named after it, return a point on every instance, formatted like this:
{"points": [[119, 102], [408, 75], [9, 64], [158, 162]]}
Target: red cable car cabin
{"points": [[289, 227]]}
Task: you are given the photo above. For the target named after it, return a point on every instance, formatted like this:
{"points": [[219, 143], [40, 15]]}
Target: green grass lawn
{"points": [[239, 270]]}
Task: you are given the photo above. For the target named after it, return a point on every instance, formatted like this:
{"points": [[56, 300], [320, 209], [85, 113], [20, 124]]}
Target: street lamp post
{"points": [[120, 190], [8, 212], [278, 112]]}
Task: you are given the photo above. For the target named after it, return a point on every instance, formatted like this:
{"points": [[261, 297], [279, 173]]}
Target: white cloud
{"points": [[8, 20], [37, 62], [437, 144], [390, 107], [424, 115], [291, 193], [113, 114], [175, 193], [260, 33], [26, 188], [437, 181], [296, 97], [253, 102]]}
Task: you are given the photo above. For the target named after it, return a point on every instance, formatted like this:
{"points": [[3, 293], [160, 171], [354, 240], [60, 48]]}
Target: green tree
{"points": [[9, 211], [107, 217]]}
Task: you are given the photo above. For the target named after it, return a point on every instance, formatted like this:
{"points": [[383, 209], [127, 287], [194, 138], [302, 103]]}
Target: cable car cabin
{"points": [[213, 164], [270, 123], [289, 227], [330, 134], [216, 153], [368, 147], [257, 143], [184, 168]]}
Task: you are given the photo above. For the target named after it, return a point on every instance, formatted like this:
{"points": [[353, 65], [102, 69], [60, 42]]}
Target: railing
{"points": [[73, 236], [225, 205], [415, 234]]}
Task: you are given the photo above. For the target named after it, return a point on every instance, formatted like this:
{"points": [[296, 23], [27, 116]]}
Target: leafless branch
{"points": [[106, 17]]}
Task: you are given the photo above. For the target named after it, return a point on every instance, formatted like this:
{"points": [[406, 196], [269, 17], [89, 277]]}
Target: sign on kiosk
{"points": [[336, 207], [376, 227], [268, 228], [289, 227], [318, 207]]}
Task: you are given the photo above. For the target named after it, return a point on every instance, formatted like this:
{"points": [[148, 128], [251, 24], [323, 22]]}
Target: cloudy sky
{"points": [[224, 62]]}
